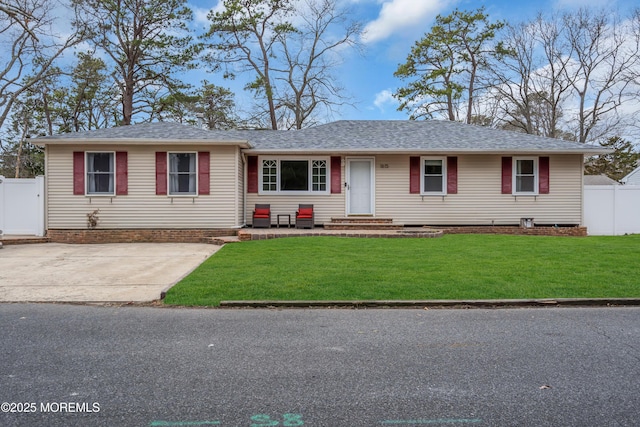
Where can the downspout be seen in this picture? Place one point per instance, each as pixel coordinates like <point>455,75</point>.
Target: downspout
<point>243,157</point>
<point>583,159</point>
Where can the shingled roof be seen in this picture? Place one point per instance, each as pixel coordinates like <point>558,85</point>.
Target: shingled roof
<point>408,136</point>
<point>346,136</point>
<point>145,133</point>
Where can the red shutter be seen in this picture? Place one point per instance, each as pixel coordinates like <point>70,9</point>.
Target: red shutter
<point>203,172</point>
<point>414,175</point>
<point>78,173</point>
<point>506,175</point>
<point>252,174</point>
<point>543,170</point>
<point>452,175</point>
<point>336,175</point>
<point>122,173</point>
<point>161,172</point>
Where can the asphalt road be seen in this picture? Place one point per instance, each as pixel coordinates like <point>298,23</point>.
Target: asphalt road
<point>65,365</point>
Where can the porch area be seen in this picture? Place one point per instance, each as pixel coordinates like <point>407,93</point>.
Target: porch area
<point>356,226</point>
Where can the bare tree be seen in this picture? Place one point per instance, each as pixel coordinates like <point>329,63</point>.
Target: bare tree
<point>603,49</point>
<point>32,48</point>
<point>21,16</point>
<point>244,35</point>
<point>568,76</point>
<point>530,79</point>
<point>310,54</point>
<point>290,47</point>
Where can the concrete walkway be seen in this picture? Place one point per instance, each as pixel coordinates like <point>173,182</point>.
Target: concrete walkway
<point>119,272</point>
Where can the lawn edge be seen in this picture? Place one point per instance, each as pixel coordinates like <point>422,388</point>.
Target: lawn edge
<point>544,302</point>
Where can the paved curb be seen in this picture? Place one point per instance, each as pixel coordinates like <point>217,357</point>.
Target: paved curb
<point>557,302</point>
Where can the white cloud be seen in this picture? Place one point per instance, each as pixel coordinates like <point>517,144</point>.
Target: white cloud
<point>385,99</point>
<point>401,16</point>
<point>200,14</point>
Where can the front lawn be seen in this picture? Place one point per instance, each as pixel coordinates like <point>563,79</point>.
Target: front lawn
<point>451,267</point>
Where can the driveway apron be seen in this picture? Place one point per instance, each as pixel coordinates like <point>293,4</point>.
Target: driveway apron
<point>117,272</point>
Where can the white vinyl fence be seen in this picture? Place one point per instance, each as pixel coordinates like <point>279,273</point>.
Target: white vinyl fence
<point>611,210</point>
<point>22,205</point>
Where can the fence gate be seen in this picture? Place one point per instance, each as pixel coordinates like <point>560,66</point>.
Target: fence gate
<point>22,206</point>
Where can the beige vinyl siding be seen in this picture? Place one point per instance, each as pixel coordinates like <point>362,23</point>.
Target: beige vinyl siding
<point>141,207</point>
<point>479,200</point>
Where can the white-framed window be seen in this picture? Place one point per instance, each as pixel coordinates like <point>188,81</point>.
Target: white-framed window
<point>433,171</point>
<point>525,175</point>
<point>183,174</point>
<point>269,175</point>
<point>318,175</point>
<point>294,175</point>
<point>100,173</point>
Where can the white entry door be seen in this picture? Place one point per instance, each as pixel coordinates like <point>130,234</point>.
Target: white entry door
<point>360,190</point>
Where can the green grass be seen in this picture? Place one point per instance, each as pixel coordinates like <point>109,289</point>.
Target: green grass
<point>451,267</point>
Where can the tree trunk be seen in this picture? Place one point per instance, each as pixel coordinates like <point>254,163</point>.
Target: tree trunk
<point>18,159</point>
<point>127,102</point>
<point>19,154</point>
<point>272,106</point>
<point>47,112</point>
<point>472,80</point>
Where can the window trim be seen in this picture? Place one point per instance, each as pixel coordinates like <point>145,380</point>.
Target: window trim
<point>442,159</point>
<point>536,176</point>
<point>196,172</point>
<point>309,160</point>
<point>86,174</point>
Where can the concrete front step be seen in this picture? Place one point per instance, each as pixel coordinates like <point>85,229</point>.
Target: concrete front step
<point>223,240</point>
<point>362,226</point>
<point>361,219</point>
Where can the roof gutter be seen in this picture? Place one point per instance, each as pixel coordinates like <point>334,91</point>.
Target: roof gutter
<point>589,152</point>
<point>139,141</point>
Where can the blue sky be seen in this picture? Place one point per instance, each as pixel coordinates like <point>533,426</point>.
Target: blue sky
<point>392,28</point>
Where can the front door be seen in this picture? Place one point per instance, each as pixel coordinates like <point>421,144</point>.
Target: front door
<point>360,186</point>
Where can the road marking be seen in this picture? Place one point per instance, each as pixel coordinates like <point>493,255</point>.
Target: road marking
<point>434,421</point>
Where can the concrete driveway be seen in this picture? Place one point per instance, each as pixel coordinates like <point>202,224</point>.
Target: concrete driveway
<point>117,272</point>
